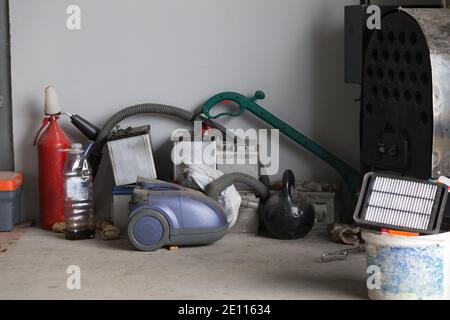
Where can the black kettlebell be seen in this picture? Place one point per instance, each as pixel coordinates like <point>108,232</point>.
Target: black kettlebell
<point>287,217</point>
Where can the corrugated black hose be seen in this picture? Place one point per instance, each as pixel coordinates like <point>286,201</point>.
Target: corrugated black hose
<point>112,122</point>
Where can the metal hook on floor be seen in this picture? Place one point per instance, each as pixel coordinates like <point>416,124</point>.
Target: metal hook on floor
<point>341,254</point>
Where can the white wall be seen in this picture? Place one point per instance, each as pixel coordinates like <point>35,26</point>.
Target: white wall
<point>181,52</point>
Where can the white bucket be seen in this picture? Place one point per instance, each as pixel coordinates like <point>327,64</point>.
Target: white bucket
<point>408,268</point>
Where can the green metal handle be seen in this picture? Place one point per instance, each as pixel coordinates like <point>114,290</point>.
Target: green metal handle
<point>352,178</point>
<point>242,101</point>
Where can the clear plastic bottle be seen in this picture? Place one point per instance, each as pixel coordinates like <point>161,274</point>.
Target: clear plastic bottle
<point>78,195</point>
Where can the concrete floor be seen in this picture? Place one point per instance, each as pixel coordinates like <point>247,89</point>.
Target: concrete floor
<point>237,267</point>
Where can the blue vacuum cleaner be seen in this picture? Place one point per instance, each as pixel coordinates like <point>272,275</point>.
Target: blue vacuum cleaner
<point>163,213</point>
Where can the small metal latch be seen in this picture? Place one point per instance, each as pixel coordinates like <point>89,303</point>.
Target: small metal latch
<point>341,255</point>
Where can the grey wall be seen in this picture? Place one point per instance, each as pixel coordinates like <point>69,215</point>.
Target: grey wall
<point>6,141</point>
<point>182,52</point>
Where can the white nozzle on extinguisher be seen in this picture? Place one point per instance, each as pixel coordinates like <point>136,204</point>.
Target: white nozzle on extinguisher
<point>51,102</point>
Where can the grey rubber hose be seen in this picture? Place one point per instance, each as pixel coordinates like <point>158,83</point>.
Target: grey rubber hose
<point>153,108</point>
<point>265,180</point>
<point>142,108</point>
<point>214,189</point>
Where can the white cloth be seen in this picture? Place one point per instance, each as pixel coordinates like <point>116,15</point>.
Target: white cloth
<point>198,176</point>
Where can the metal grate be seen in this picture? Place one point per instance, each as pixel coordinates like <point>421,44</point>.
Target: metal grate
<point>401,203</point>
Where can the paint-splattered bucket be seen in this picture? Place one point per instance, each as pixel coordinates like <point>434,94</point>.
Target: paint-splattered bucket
<point>408,268</point>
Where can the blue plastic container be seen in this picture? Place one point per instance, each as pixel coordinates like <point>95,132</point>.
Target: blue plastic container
<point>121,197</point>
<point>11,187</point>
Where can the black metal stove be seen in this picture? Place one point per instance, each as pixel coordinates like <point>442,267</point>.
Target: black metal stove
<point>405,103</point>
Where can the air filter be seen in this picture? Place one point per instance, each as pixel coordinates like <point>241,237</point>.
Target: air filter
<point>401,203</point>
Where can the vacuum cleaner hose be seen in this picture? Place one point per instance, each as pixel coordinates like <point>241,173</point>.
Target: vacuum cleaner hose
<point>129,112</point>
<point>265,180</point>
<point>142,108</point>
<point>214,189</point>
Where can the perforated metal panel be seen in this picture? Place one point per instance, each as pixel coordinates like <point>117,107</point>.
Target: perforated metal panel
<point>397,110</point>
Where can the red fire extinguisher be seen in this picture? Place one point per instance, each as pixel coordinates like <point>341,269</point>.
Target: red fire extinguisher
<point>51,163</point>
